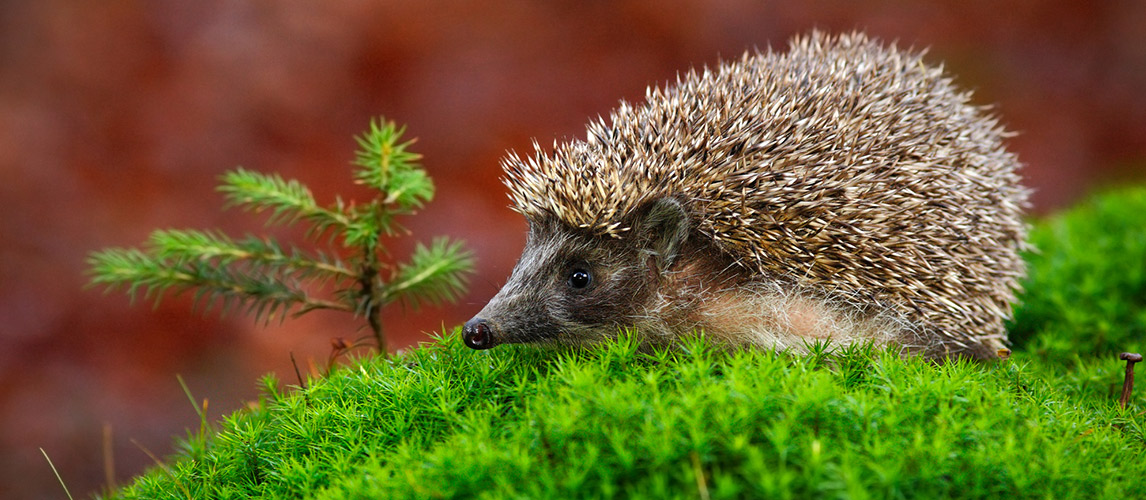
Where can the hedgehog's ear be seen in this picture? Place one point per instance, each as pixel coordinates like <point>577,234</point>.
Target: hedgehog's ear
<point>662,229</point>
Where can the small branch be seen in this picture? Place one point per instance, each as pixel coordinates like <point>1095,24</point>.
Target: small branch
<point>309,304</point>
<point>417,279</point>
<point>282,197</point>
<point>181,246</point>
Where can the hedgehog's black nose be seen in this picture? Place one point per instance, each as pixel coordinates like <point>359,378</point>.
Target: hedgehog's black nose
<point>478,334</point>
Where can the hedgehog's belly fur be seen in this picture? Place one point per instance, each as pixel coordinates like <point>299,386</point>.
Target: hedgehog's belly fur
<point>765,315</point>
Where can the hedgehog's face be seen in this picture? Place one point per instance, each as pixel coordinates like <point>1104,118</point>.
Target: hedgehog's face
<point>569,287</point>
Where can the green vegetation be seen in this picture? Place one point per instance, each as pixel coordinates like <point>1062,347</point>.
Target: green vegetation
<point>258,273</point>
<point>1086,291</point>
<point>442,421</point>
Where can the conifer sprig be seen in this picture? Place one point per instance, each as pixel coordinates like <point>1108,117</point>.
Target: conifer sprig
<point>434,274</point>
<point>386,164</point>
<point>270,280</point>
<point>287,201</point>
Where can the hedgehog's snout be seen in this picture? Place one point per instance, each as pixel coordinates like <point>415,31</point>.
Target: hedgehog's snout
<point>478,334</point>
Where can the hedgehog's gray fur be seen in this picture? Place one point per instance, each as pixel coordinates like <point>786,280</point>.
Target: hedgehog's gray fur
<point>847,169</point>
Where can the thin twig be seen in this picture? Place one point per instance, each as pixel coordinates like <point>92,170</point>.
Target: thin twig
<point>301,382</point>
<point>108,458</point>
<point>58,478</point>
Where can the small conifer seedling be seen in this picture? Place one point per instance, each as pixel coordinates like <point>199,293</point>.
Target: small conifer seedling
<point>270,280</point>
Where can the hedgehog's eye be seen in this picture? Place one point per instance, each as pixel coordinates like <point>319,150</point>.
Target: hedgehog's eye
<point>580,278</point>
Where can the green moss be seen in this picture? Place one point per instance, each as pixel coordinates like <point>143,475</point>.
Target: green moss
<point>1086,290</point>
<point>518,422</point>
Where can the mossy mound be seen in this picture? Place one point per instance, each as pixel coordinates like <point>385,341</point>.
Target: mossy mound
<point>695,422</point>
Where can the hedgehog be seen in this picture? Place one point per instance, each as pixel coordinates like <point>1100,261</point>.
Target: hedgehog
<point>844,191</point>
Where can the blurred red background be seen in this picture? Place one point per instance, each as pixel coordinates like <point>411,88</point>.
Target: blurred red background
<point>117,118</point>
